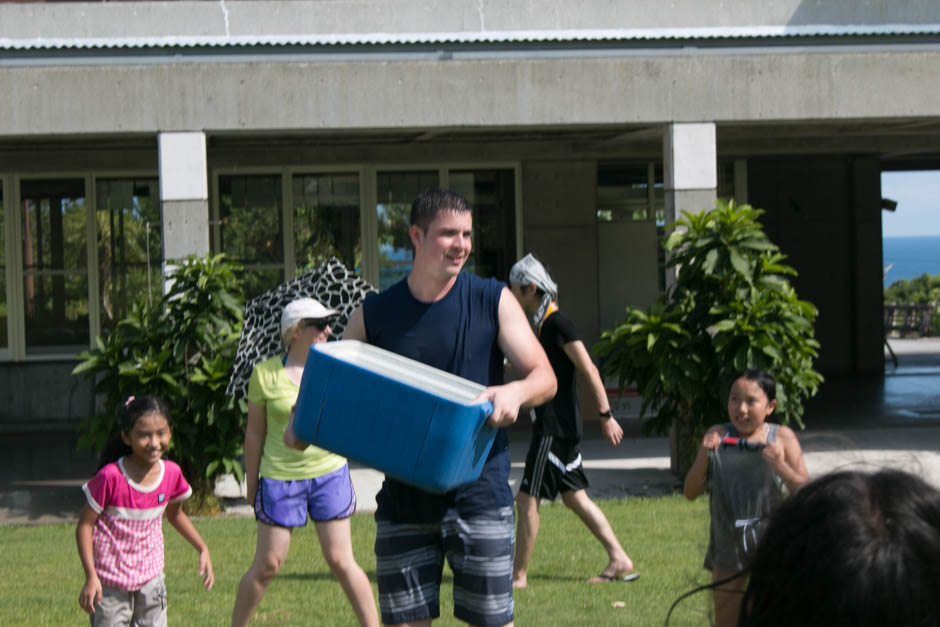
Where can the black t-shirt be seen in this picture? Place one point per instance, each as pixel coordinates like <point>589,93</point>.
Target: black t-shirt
<point>559,417</point>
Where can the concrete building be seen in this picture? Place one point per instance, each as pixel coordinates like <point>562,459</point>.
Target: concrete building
<point>134,133</point>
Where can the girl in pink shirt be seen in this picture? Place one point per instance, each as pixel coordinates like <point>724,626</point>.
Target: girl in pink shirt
<point>120,532</point>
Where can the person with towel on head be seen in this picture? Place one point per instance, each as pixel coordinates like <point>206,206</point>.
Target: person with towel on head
<point>553,463</point>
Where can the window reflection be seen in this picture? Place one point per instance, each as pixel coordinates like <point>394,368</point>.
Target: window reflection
<point>492,196</point>
<point>251,230</point>
<point>396,191</point>
<point>55,281</point>
<point>326,220</point>
<point>129,240</point>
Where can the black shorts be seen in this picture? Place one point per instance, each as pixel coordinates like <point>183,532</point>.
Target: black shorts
<point>552,465</point>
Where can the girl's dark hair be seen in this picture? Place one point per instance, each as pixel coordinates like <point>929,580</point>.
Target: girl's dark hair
<point>762,378</point>
<point>849,548</point>
<point>128,413</point>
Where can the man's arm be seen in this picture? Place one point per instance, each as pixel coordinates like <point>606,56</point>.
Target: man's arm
<point>536,381</point>
<point>579,356</point>
<point>356,326</point>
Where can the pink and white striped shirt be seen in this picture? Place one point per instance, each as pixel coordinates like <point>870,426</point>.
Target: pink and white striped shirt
<point>128,535</point>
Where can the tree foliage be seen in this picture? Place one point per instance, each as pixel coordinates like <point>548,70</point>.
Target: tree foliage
<point>921,290</point>
<point>182,349</point>
<point>731,307</point>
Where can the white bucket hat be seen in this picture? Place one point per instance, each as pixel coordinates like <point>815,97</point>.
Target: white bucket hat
<point>301,309</point>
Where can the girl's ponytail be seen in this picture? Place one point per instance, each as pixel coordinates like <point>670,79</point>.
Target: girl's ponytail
<point>127,414</point>
<point>114,450</point>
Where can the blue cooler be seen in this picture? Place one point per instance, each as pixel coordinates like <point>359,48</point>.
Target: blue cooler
<point>413,422</point>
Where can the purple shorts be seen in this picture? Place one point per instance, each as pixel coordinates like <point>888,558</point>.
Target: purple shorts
<point>286,503</point>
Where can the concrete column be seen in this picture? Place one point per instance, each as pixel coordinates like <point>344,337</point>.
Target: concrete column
<point>690,179</point>
<point>690,169</point>
<point>184,195</point>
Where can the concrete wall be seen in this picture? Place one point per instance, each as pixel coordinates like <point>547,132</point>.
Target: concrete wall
<point>235,19</point>
<point>868,265</point>
<point>411,94</point>
<point>138,155</point>
<point>825,215</point>
<point>560,228</point>
<point>42,396</point>
<point>628,269</point>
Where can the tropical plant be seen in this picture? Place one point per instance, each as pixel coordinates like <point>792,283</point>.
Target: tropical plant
<point>731,307</point>
<point>181,348</point>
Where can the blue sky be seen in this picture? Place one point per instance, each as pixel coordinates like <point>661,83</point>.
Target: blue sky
<point>918,197</point>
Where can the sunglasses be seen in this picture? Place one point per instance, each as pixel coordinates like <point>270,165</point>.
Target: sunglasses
<point>319,323</point>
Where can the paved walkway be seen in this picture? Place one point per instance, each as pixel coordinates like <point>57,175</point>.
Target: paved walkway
<point>866,422</point>
<point>640,466</point>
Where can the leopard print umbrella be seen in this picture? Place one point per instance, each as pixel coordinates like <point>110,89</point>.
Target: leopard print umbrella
<point>331,283</point>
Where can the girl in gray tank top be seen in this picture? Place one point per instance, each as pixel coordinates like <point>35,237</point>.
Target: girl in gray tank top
<point>746,464</point>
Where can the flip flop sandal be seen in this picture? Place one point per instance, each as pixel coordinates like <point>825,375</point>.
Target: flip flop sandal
<point>612,578</point>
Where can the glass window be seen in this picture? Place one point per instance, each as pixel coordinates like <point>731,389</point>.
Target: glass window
<point>492,196</point>
<point>4,340</point>
<point>326,220</point>
<point>624,193</point>
<point>55,274</point>
<point>251,230</point>
<point>129,243</point>
<point>395,193</point>
<point>725,189</point>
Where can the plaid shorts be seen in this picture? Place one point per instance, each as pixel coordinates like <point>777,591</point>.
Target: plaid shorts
<point>479,549</point>
<point>286,503</point>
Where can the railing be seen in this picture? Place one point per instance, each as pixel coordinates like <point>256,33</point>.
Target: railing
<point>909,318</point>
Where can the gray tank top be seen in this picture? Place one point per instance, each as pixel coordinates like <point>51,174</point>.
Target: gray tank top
<point>744,490</point>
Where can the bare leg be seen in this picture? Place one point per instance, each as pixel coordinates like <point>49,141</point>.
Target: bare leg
<point>336,543</point>
<point>580,503</point>
<point>527,528</point>
<point>270,551</point>
<point>727,598</point>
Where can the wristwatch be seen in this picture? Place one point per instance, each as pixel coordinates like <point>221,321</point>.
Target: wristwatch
<point>606,414</point>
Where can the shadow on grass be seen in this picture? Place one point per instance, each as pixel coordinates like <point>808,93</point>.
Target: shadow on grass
<point>556,578</point>
<point>327,576</point>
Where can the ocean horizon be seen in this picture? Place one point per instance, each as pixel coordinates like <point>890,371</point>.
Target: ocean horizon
<point>908,257</point>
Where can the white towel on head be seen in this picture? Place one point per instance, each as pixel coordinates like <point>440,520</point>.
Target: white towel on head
<point>530,271</point>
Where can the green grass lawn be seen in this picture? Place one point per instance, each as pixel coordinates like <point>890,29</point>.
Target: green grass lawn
<point>40,575</point>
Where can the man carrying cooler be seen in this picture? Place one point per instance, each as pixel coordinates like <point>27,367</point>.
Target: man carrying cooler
<point>466,325</point>
<point>553,463</point>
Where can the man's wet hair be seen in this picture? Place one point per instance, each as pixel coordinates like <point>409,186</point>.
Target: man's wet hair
<point>431,202</point>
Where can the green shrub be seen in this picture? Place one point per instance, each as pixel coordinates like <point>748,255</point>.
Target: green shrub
<point>730,308</point>
<point>922,290</point>
<point>182,349</point>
